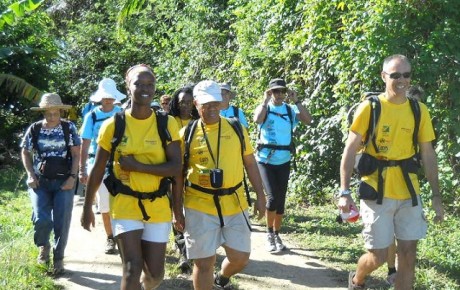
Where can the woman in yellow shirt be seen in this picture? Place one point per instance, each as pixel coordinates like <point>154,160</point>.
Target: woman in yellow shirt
<point>181,106</point>
<point>140,163</point>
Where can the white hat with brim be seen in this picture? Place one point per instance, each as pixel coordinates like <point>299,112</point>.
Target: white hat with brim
<point>50,101</point>
<point>107,90</point>
<point>206,92</point>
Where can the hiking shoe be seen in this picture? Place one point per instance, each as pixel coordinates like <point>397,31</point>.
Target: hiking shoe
<point>351,285</point>
<point>279,244</point>
<point>44,254</point>
<point>271,245</point>
<point>221,282</point>
<point>391,279</point>
<point>58,267</point>
<point>110,246</point>
<point>184,265</point>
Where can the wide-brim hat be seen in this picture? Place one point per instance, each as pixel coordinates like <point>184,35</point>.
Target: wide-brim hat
<point>227,87</point>
<point>50,101</point>
<point>206,92</point>
<point>277,84</point>
<point>107,89</point>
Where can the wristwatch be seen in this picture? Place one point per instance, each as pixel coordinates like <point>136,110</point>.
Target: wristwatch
<point>343,192</point>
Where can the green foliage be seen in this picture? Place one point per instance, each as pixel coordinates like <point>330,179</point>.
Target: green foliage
<point>17,10</point>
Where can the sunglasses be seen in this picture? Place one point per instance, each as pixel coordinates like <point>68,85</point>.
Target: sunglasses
<point>280,91</point>
<point>397,75</point>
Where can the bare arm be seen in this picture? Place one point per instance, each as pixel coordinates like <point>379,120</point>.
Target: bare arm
<point>177,203</point>
<point>261,110</point>
<point>250,165</point>
<point>70,181</point>
<point>430,166</point>
<point>83,158</point>
<point>171,167</point>
<point>304,116</point>
<point>346,168</point>
<point>32,180</point>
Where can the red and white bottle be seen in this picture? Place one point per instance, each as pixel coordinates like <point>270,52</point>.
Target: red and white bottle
<point>351,216</point>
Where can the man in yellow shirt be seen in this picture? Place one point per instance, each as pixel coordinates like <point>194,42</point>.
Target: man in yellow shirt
<point>216,209</point>
<point>397,216</point>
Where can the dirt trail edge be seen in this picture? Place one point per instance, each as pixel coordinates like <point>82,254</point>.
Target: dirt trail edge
<point>87,267</point>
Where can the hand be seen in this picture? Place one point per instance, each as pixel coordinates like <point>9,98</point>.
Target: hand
<point>83,177</point>
<point>292,95</point>
<point>128,163</point>
<point>260,205</point>
<point>32,181</point>
<point>345,202</point>
<point>87,218</point>
<point>179,222</point>
<point>437,207</point>
<point>69,183</point>
<point>267,96</point>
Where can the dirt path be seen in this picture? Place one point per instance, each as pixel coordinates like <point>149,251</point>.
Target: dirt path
<point>295,269</point>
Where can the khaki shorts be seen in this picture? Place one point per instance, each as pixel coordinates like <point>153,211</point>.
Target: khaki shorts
<point>391,219</point>
<point>203,234</point>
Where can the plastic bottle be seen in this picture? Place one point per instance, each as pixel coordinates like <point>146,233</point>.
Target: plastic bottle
<point>351,216</point>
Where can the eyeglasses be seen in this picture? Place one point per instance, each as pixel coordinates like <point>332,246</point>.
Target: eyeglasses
<point>397,75</point>
<point>279,91</point>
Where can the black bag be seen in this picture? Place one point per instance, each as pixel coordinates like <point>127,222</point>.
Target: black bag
<point>366,192</point>
<point>367,164</point>
<point>54,167</point>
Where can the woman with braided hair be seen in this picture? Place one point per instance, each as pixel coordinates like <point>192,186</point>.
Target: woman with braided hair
<point>140,225</point>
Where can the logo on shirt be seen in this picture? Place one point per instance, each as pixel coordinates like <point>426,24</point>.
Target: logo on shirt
<point>204,160</point>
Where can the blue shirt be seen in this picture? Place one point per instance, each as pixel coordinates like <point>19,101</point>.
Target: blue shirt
<point>229,113</point>
<point>276,129</point>
<point>90,130</point>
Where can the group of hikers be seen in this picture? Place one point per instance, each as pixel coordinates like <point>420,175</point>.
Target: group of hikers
<point>181,165</point>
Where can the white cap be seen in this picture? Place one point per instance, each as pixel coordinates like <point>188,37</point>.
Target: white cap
<point>107,90</point>
<point>206,92</point>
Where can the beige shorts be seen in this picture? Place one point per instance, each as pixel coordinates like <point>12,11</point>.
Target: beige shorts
<point>391,219</point>
<point>203,234</point>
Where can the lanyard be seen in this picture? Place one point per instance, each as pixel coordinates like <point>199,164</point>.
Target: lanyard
<point>209,146</point>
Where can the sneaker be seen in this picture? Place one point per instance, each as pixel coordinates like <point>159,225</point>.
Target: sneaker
<point>279,244</point>
<point>184,265</point>
<point>44,254</point>
<point>351,285</point>
<point>391,279</point>
<point>221,282</point>
<point>58,267</point>
<point>110,246</point>
<point>271,246</point>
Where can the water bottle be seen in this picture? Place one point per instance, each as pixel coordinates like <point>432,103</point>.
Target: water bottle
<point>351,216</point>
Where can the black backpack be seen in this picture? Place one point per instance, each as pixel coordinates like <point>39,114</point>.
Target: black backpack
<point>373,98</point>
<point>95,120</point>
<point>291,147</point>
<point>188,136</point>
<point>114,185</point>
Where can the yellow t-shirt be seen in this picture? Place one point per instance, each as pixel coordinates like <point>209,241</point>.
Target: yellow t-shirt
<point>394,132</point>
<point>140,139</point>
<point>230,161</point>
<point>182,123</point>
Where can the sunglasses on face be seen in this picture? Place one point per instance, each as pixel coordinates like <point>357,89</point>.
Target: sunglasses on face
<point>279,91</point>
<point>397,75</point>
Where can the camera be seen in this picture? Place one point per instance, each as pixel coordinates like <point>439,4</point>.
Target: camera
<point>217,177</point>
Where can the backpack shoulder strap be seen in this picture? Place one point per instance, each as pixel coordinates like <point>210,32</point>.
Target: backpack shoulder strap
<point>188,135</point>
<point>35,131</point>
<point>236,112</point>
<point>373,119</point>
<point>162,126</point>
<point>119,130</point>
<point>415,106</point>
<point>66,130</point>
<point>94,117</point>
<point>236,125</point>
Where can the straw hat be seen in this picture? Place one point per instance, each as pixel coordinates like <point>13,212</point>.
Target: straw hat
<point>107,90</point>
<point>50,101</point>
